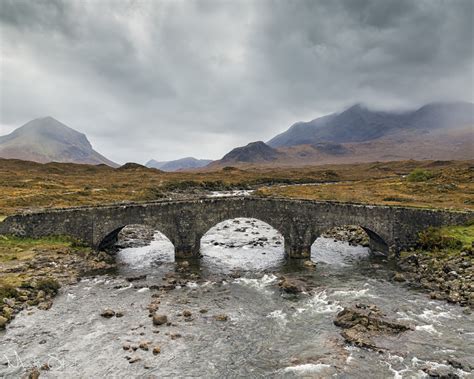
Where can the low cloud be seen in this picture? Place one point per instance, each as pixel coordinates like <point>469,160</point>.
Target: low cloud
<point>167,79</point>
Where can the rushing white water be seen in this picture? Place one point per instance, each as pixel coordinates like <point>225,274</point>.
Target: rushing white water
<point>267,333</point>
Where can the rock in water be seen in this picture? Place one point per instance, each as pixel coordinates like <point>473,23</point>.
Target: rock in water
<point>362,322</point>
<point>221,317</point>
<point>108,313</point>
<point>187,313</point>
<point>291,285</point>
<point>159,319</point>
<point>399,277</point>
<point>3,322</point>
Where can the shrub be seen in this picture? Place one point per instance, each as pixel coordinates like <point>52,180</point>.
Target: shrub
<point>7,291</point>
<point>419,175</point>
<point>230,168</point>
<point>48,285</point>
<point>432,239</point>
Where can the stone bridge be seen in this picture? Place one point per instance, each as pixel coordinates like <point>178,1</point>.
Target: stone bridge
<point>184,222</point>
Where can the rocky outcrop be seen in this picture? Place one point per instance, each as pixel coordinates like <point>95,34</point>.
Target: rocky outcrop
<point>447,275</point>
<point>362,323</point>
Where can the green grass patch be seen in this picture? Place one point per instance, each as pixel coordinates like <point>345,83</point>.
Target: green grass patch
<point>465,234</point>
<point>14,248</point>
<point>22,242</point>
<point>2,218</point>
<point>453,238</point>
<point>419,175</point>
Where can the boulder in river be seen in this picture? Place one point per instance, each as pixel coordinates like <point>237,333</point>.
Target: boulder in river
<point>290,285</point>
<point>3,322</point>
<point>159,319</point>
<point>362,322</point>
<point>107,313</point>
<point>187,313</point>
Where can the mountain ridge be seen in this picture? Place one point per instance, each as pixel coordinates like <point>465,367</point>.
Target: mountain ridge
<point>358,124</point>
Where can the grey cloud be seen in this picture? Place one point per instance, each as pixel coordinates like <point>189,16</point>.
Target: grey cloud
<point>165,79</point>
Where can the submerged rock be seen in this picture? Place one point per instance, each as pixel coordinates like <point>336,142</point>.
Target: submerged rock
<point>221,317</point>
<point>309,264</point>
<point>440,371</point>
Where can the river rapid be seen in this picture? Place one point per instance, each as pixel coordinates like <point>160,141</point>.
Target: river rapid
<point>267,333</point>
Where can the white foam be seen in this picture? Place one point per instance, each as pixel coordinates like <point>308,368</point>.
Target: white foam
<point>353,293</point>
<point>319,303</point>
<point>433,316</point>
<point>260,284</point>
<point>125,288</point>
<point>307,368</point>
<point>427,328</point>
<point>278,315</point>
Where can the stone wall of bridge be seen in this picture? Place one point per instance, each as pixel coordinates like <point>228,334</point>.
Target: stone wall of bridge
<point>185,222</point>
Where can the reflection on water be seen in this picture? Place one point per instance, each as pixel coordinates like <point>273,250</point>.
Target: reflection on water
<point>267,334</point>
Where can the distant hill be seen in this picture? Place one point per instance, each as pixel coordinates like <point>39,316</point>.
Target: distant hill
<point>179,164</point>
<point>254,152</point>
<point>360,124</point>
<point>48,140</point>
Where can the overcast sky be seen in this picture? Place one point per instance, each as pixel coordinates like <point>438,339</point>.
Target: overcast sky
<point>167,79</point>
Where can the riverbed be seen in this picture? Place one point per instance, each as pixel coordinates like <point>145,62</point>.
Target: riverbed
<point>265,333</point>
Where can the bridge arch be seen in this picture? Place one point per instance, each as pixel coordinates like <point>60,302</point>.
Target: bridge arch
<point>347,232</point>
<point>109,239</point>
<point>243,243</point>
<point>242,221</point>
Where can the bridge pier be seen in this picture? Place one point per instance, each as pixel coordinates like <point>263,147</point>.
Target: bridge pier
<point>186,252</point>
<point>293,251</point>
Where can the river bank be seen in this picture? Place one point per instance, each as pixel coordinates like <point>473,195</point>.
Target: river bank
<point>443,264</point>
<point>33,271</point>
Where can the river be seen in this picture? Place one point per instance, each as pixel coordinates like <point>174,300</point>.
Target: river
<point>267,334</point>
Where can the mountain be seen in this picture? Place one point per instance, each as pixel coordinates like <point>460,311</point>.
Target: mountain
<point>435,131</point>
<point>48,140</point>
<point>255,152</point>
<point>360,124</point>
<point>179,164</point>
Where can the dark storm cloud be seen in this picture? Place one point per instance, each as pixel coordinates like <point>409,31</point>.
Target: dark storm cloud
<point>167,79</point>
